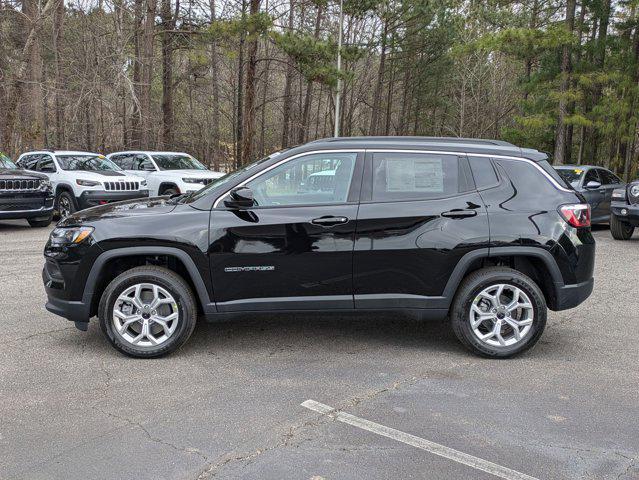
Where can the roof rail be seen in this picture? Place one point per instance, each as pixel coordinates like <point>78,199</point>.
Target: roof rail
<point>470,141</point>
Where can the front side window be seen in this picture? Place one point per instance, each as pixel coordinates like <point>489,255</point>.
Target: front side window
<point>591,176</point>
<point>46,164</point>
<point>125,162</point>
<point>609,178</point>
<point>167,161</point>
<point>314,179</point>
<point>414,176</point>
<point>86,163</point>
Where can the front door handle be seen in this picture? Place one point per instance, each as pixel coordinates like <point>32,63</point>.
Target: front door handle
<point>329,220</point>
<point>459,213</point>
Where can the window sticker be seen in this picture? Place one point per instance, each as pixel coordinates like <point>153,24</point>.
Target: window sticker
<point>415,175</point>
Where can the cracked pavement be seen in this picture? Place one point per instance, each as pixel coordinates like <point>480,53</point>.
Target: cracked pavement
<point>227,405</point>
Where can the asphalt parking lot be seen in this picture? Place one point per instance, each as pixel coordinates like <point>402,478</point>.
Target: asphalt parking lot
<point>228,405</point>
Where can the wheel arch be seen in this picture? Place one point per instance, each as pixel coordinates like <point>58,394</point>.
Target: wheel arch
<point>534,262</point>
<point>113,262</point>
<point>167,184</point>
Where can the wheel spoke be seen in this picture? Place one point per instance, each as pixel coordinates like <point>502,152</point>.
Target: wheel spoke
<point>514,325</point>
<point>137,297</point>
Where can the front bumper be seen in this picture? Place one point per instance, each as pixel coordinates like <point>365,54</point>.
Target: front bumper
<point>92,198</point>
<point>569,296</point>
<point>25,207</point>
<point>77,311</point>
<point>632,212</point>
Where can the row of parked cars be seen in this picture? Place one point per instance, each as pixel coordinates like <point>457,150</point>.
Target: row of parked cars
<point>44,181</point>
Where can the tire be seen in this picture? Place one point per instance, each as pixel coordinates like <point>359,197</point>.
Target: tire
<point>40,222</point>
<point>65,204</point>
<point>470,292</point>
<point>620,230</point>
<point>182,302</point>
<point>169,191</point>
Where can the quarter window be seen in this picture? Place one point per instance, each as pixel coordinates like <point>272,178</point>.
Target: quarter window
<point>483,172</point>
<point>313,179</point>
<point>414,176</point>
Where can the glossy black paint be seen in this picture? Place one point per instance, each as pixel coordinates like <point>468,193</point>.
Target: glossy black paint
<point>402,254</point>
<point>24,204</point>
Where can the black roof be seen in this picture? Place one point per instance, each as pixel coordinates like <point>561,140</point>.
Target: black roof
<point>452,144</point>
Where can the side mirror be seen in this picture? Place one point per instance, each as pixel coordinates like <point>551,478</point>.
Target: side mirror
<point>593,185</point>
<point>241,197</point>
<point>147,167</point>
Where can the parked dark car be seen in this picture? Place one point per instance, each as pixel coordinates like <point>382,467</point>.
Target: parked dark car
<point>595,184</point>
<point>624,215</point>
<point>483,232</point>
<point>24,194</point>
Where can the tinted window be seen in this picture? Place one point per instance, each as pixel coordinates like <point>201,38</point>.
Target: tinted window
<point>142,162</point>
<point>591,176</point>
<point>309,180</point>
<point>483,172</point>
<point>166,161</point>
<point>125,162</point>
<point>86,162</point>
<point>414,176</point>
<point>29,162</point>
<point>608,178</point>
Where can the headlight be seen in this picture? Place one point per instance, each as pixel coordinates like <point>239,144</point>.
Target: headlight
<point>619,194</point>
<point>634,190</point>
<point>202,181</point>
<point>86,183</point>
<point>72,235</point>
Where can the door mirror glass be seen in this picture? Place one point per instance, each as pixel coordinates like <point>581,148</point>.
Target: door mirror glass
<point>593,185</point>
<point>241,197</point>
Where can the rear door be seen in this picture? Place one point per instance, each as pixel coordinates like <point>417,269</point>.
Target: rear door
<point>419,214</point>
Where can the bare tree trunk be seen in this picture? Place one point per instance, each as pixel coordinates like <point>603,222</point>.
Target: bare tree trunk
<point>560,139</point>
<point>249,105</point>
<point>306,112</point>
<point>168,24</point>
<point>377,96</point>
<point>215,87</point>
<point>239,125</point>
<point>58,22</point>
<point>288,80</point>
<point>136,120</point>
<point>147,72</point>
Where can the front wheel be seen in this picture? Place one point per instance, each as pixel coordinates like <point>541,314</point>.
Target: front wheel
<point>620,230</point>
<point>498,312</point>
<point>65,204</point>
<point>147,312</point>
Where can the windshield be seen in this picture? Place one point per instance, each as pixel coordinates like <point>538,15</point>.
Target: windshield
<point>170,161</point>
<point>6,163</point>
<point>571,175</point>
<point>86,162</point>
<point>229,177</point>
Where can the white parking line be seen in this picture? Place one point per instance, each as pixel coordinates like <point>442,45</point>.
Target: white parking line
<point>407,438</point>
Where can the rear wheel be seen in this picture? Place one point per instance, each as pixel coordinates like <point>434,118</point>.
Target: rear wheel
<point>40,222</point>
<point>620,230</point>
<point>147,312</point>
<point>498,312</point>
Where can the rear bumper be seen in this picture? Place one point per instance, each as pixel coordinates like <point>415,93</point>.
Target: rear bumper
<point>99,197</point>
<point>569,296</point>
<point>631,214</point>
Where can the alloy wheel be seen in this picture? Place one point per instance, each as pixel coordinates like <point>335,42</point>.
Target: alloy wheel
<point>501,315</point>
<point>145,315</point>
<point>64,206</point>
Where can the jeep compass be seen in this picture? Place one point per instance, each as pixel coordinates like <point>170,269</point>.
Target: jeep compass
<point>482,232</point>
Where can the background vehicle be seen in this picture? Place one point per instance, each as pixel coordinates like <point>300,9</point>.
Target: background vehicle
<point>624,214</point>
<point>83,179</point>
<point>405,226</point>
<point>595,184</point>
<point>24,194</point>
<point>167,173</point>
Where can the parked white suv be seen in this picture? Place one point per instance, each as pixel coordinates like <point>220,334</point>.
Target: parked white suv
<point>166,172</point>
<point>83,179</point>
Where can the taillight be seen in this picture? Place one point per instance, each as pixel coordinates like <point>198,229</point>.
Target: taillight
<point>577,215</point>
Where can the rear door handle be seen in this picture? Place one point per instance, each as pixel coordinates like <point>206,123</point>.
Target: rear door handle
<point>329,220</point>
<point>459,213</point>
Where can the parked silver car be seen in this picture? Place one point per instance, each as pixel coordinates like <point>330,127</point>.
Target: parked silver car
<point>596,184</point>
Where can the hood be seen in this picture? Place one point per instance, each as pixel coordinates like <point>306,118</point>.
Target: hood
<point>106,176</point>
<point>126,209</point>
<point>18,173</point>
<point>198,173</point>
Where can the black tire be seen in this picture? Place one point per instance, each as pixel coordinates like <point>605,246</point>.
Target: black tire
<point>471,286</point>
<point>168,280</point>
<point>169,191</point>
<point>620,230</point>
<point>40,222</point>
<point>65,203</point>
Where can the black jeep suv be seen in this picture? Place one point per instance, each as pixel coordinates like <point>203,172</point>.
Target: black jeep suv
<point>624,211</point>
<point>481,231</point>
<point>24,194</point>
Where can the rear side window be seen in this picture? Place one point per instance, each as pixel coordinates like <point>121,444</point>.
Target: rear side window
<point>483,172</point>
<point>29,162</point>
<point>608,177</point>
<point>414,176</point>
<point>46,164</point>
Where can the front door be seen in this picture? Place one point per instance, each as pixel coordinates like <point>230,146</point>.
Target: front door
<point>293,249</point>
<point>419,214</point>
